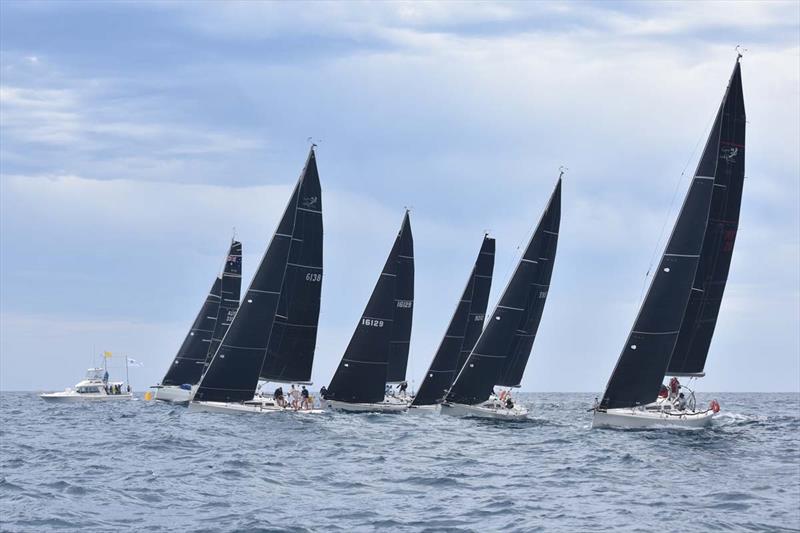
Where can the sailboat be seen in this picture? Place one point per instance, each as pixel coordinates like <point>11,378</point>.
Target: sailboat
<point>359,383</point>
<point>273,334</point>
<point>400,341</point>
<point>672,333</point>
<point>208,327</point>
<point>463,331</point>
<point>501,353</point>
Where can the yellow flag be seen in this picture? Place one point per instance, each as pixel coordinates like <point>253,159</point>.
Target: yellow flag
<point>107,354</point>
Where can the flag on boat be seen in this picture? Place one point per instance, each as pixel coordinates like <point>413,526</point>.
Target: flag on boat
<point>133,362</point>
<point>107,355</point>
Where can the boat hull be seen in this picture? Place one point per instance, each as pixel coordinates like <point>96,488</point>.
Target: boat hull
<point>491,411</point>
<point>423,408</point>
<point>67,397</point>
<point>382,407</point>
<point>246,408</point>
<point>171,393</point>
<point>643,418</point>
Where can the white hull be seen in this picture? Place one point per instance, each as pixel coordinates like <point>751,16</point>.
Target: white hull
<point>171,393</point>
<point>247,408</point>
<point>643,418</point>
<point>72,396</point>
<point>485,410</point>
<point>383,407</point>
<point>424,408</point>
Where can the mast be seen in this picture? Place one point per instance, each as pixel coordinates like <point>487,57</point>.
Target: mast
<point>290,355</point>
<point>646,355</point>
<point>361,374</point>
<point>468,317</point>
<point>233,373</point>
<point>230,294</point>
<point>502,350</point>
<point>700,319</point>
<point>404,305</point>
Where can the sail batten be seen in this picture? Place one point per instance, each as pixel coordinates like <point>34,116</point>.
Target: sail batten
<point>461,335</point>
<point>501,353</point>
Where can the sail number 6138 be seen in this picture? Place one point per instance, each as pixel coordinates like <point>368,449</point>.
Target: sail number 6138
<point>311,276</point>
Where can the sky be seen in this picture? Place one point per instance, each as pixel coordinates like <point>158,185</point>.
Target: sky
<point>134,138</point>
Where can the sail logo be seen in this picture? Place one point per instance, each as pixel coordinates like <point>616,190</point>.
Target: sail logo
<point>310,201</point>
<point>479,318</point>
<point>405,304</point>
<point>729,154</point>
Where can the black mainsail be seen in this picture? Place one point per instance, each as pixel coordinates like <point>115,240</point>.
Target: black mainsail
<point>463,331</point>
<point>700,319</point>
<point>403,305</point>
<point>641,367</point>
<point>188,363</point>
<point>233,373</point>
<point>362,373</point>
<point>290,355</point>
<point>230,292</point>
<point>503,348</point>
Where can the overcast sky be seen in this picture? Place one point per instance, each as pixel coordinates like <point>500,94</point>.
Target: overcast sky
<point>136,136</point>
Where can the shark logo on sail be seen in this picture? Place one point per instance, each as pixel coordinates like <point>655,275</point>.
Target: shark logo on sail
<point>310,201</point>
<point>729,154</point>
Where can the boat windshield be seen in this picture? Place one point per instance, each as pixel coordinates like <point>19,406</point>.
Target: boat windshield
<point>88,390</point>
<point>95,373</point>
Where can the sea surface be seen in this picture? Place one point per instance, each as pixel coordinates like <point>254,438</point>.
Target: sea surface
<point>146,466</point>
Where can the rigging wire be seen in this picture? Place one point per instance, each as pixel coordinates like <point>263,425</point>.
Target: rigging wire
<point>667,215</point>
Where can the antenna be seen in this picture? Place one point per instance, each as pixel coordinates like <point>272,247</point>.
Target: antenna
<point>233,238</point>
<point>562,169</point>
<point>313,143</point>
<point>739,49</point>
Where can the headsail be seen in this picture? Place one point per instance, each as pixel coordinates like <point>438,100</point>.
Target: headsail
<point>230,292</point>
<point>502,350</point>
<point>646,356</point>
<point>467,319</point>
<point>403,305</point>
<point>188,363</point>
<point>697,328</point>
<point>362,372</point>
<point>233,373</point>
<point>294,334</point>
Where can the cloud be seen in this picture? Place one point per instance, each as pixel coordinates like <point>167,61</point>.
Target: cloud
<point>124,170</point>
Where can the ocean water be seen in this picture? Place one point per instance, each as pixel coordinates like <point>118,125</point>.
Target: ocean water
<point>145,466</point>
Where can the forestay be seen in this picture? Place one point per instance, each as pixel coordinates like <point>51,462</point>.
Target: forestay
<point>187,366</point>
<point>233,373</point>
<point>462,332</point>
<point>230,293</point>
<point>362,373</point>
<point>502,350</point>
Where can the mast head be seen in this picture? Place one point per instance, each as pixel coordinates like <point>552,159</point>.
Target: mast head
<point>739,49</point>
<point>561,170</point>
